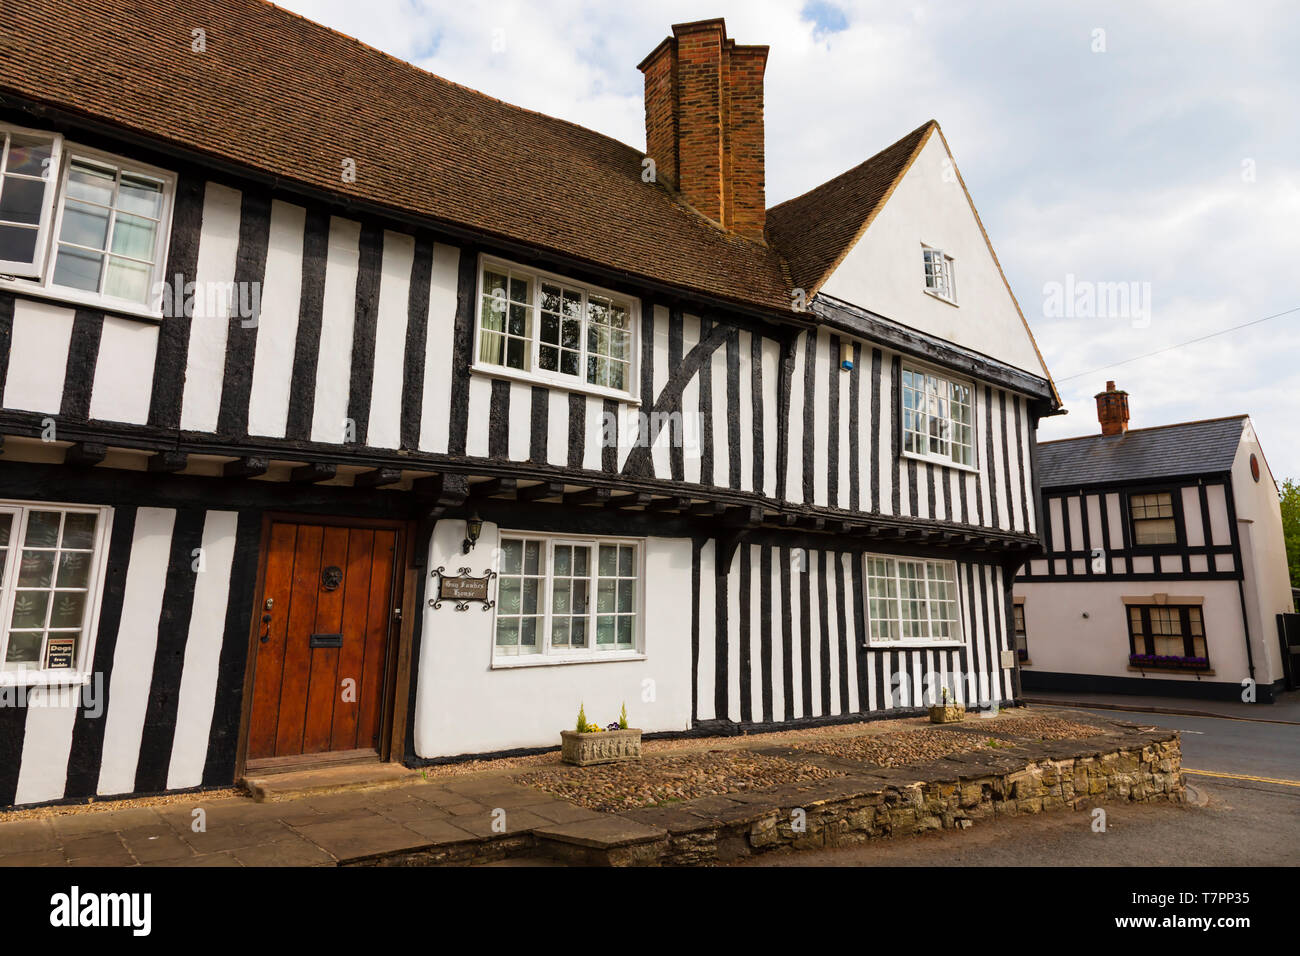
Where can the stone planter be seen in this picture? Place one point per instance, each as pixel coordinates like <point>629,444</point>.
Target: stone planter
<point>607,746</point>
<point>949,714</point>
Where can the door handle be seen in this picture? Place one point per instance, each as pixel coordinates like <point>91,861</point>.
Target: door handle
<point>266,632</point>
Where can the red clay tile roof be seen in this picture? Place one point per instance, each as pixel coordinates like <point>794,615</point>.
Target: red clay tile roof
<point>289,97</point>
<point>816,230</point>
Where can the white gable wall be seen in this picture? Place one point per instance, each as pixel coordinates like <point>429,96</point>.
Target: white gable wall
<point>884,272</point>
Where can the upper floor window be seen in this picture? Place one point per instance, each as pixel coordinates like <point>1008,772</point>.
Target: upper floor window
<point>544,327</point>
<point>912,600</point>
<point>937,418</point>
<point>940,279</point>
<point>29,163</point>
<point>51,559</point>
<point>567,598</point>
<point>1153,518</point>
<point>81,224</point>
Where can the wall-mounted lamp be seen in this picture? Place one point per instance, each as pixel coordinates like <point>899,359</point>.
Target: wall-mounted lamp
<point>846,357</point>
<point>473,528</point>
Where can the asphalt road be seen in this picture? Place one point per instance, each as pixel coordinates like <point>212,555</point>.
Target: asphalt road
<point>1238,822</point>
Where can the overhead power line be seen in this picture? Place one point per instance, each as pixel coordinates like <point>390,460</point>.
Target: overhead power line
<point>1170,348</point>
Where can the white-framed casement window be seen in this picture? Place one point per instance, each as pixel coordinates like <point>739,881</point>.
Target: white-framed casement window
<point>912,601</point>
<point>562,598</point>
<point>29,166</point>
<point>82,225</point>
<point>541,327</point>
<point>940,275</point>
<point>52,560</point>
<point>938,418</point>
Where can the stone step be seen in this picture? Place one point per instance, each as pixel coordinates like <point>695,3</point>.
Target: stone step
<point>296,784</point>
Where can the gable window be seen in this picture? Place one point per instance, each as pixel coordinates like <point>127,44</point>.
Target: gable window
<point>543,327</point>
<point>565,598</point>
<point>1170,635</point>
<point>82,225</point>
<point>1153,518</point>
<point>911,601</point>
<point>940,279</point>
<point>937,418</point>
<point>51,560</point>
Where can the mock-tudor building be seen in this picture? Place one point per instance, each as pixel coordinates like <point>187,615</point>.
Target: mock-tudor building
<point>1165,570</point>
<point>350,413</point>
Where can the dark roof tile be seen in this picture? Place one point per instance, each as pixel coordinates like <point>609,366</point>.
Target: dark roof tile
<point>1168,451</point>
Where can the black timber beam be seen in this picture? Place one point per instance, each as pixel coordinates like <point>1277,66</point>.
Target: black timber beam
<point>377,478</point>
<point>494,488</point>
<point>168,462</point>
<point>540,491</point>
<point>590,496</point>
<point>636,499</point>
<point>249,466</point>
<point>85,454</point>
<point>313,472</point>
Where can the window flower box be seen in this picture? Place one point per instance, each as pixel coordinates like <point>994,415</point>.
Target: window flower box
<point>1169,662</point>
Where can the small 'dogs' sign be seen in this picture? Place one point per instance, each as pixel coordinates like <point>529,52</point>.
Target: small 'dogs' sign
<point>462,588</point>
<point>60,653</point>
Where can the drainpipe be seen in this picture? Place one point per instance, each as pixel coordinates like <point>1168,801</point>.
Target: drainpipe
<point>1236,525</point>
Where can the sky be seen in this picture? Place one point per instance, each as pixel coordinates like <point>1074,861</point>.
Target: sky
<point>1153,144</point>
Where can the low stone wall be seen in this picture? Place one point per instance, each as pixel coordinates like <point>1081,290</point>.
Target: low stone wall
<point>1126,764</point>
<point>1135,774</point>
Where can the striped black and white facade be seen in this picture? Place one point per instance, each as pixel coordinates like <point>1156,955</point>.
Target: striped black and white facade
<point>351,395</point>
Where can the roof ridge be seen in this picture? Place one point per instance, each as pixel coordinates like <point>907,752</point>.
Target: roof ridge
<point>1149,428</point>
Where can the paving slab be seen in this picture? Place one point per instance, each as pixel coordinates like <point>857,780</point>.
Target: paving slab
<point>296,852</point>
<point>156,842</point>
<point>441,831</point>
<point>608,831</point>
<point>363,837</point>
<point>25,836</point>
<point>70,826</point>
<point>218,836</point>
<point>101,849</point>
<point>52,857</point>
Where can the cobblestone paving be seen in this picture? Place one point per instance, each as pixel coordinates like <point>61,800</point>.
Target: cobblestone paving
<point>656,781</point>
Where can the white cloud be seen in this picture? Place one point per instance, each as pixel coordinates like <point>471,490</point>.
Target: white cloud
<point>1115,166</point>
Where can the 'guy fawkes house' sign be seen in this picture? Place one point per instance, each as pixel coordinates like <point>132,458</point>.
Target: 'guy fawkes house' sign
<point>462,588</point>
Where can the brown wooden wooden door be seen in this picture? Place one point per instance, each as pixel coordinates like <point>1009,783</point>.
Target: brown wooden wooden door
<point>318,682</point>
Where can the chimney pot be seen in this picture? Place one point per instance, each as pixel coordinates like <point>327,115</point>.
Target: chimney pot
<point>1112,410</point>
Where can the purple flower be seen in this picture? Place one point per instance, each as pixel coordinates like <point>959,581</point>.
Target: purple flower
<point>612,726</point>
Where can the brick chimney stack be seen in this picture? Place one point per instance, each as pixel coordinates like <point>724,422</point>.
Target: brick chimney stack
<point>1112,410</point>
<point>704,123</point>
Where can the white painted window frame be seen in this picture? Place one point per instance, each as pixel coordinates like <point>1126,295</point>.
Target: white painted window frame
<point>537,376</point>
<point>36,268</point>
<point>913,642</point>
<point>949,274</point>
<point>547,655</point>
<point>81,672</point>
<point>947,376</point>
<point>52,222</point>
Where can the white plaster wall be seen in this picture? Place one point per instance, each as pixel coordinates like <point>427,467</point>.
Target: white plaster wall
<point>1062,641</point>
<point>884,272</point>
<point>464,706</point>
<point>1267,580</point>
